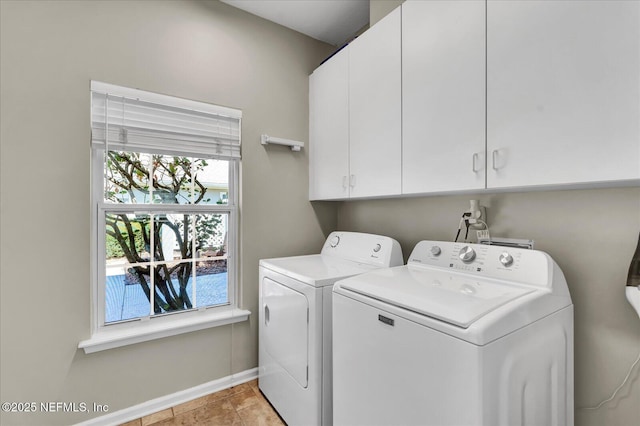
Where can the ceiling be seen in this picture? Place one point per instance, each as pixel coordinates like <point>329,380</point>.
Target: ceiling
<point>331,21</point>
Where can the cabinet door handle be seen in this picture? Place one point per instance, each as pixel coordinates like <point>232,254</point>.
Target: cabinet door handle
<point>494,159</point>
<point>352,181</point>
<point>473,164</point>
<point>344,182</point>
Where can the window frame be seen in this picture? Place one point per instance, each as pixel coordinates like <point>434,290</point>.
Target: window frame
<point>135,330</point>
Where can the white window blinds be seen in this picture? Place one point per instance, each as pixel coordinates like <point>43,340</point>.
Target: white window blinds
<point>135,120</point>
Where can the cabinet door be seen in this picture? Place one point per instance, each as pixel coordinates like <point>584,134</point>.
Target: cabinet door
<point>563,92</point>
<point>329,129</point>
<point>443,96</point>
<point>375,110</point>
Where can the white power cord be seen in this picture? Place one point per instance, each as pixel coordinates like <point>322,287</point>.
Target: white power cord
<point>484,233</point>
<point>634,299</point>
<point>616,391</point>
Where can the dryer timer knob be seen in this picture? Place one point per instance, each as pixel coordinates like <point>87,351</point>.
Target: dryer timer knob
<point>467,254</point>
<point>335,240</point>
<point>435,250</point>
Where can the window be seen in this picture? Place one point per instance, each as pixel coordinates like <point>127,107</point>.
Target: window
<point>165,197</point>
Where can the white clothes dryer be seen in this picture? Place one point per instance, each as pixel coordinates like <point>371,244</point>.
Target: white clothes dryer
<point>461,335</point>
<point>295,321</point>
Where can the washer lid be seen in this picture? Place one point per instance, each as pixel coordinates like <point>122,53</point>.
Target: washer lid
<point>454,298</point>
<point>317,270</point>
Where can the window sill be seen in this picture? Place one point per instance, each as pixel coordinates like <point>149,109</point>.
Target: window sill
<point>151,330</point>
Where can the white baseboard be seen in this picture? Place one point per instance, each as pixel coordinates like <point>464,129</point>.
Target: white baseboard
<point>168,401</point>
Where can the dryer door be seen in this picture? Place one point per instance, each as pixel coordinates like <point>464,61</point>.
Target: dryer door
<point>286,328</point>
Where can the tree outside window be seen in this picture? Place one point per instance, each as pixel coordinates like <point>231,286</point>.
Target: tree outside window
<point>171,259</point>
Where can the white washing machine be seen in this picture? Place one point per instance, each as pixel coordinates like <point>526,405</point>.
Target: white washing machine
<point>295,321</point>
<point>461,335</point>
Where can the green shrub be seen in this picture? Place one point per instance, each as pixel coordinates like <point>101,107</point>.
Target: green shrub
<point>114,250</point>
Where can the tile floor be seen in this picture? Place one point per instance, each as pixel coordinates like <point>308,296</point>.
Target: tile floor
<point>241,405</point>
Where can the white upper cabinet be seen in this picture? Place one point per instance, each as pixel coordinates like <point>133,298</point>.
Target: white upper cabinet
<point>443,96</point>
<point>447,96</point>
<point>375,110</point>
<point>329,129</point>
<point>563,92</point>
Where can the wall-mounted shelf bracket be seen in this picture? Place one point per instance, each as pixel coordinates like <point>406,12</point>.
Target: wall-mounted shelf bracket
<point>295,145</point>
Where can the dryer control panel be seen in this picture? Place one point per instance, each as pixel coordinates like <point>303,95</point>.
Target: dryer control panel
<point>530,267</point>
<point>371,249</point>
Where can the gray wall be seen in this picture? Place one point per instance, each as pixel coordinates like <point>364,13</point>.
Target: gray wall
<point>206,51</point>
<point>591,234</point>
<point>378,9</point>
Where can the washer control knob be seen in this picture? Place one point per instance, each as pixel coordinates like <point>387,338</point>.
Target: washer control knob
<point>377,248</point>
<point>506,259</point>
<point>435,250</point>
<point>335,240</point>
<point>467,254</point>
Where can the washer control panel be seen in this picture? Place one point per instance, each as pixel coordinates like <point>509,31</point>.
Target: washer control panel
<point>514,264</point>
